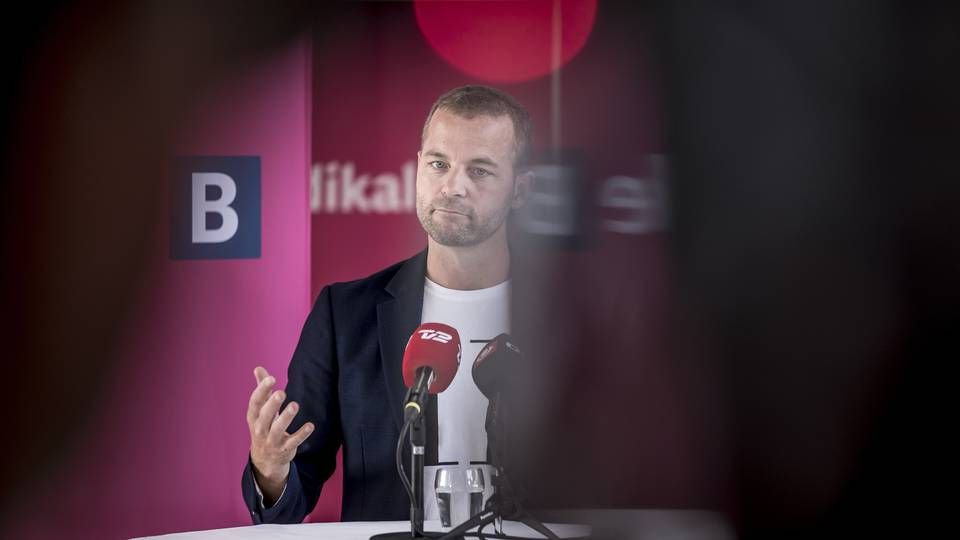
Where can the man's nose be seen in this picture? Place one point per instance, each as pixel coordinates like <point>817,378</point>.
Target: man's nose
<point>455,184</point>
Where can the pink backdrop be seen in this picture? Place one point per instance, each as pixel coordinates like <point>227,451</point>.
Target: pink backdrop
<point>166,447</point>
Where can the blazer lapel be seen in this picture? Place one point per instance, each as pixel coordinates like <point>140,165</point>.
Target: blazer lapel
<point>397,318</point>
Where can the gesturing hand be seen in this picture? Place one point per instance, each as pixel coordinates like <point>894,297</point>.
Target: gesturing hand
<point>271,447</point>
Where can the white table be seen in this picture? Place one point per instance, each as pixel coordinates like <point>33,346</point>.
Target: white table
<point>354,530</point>
<point>626,524</point>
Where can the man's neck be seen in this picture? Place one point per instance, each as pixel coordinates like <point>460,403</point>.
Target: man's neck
<point>469,268</point>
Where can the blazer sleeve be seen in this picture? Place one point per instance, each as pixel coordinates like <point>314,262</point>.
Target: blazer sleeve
<point>312,382</point>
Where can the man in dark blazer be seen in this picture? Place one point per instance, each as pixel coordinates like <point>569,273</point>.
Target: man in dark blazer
<point>345,385</point>
<point>368,322</point>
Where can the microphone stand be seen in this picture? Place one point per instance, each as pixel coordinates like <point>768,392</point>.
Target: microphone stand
<point>505,501</point>
<point>418,440</point>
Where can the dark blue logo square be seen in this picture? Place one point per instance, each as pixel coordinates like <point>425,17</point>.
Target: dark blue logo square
<point>215,207</point>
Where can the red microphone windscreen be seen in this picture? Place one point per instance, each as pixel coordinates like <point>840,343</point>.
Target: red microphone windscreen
<point>434,345</point>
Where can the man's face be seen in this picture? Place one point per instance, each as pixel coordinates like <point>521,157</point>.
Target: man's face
<point>465,178</point>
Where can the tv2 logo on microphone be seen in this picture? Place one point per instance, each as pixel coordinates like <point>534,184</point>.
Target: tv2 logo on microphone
<point>215,207</point>
<point>435,335</point>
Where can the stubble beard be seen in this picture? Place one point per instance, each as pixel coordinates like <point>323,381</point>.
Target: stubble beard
<point>470,231</point>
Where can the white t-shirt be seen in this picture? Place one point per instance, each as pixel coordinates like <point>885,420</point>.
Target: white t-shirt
<point>481,314</point>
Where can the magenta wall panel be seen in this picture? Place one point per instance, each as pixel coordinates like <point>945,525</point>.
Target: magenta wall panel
<point>166,448</point>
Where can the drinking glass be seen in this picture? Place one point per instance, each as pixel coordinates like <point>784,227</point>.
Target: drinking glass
<point>443,485</point>
<point>475,487</point>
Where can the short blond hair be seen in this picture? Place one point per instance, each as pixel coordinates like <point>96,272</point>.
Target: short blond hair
<point>478,100</point>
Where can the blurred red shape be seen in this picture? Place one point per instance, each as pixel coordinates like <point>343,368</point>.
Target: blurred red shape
<point>506,41</point>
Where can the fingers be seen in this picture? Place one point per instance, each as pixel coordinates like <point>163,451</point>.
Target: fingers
<point>278,429</point>
<point>260,373</point>
<point>297,438</point>
<point>268,413</point>
<point>258,398</point>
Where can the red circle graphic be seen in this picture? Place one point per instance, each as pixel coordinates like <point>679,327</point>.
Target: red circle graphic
<point>506,41</point>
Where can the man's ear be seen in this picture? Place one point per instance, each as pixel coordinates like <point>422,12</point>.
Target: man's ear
<point>522,185</point>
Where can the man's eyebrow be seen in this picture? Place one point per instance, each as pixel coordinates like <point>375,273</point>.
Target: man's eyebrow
<point>435,153</point>
<point>483,160</point>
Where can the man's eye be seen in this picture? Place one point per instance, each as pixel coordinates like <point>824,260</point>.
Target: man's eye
<point>437,165</point>
<point>480,173</point>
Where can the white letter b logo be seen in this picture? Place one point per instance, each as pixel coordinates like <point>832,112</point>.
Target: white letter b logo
<point>202,207</point>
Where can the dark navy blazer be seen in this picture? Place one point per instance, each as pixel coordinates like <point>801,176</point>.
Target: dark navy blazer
<point>346,376</point>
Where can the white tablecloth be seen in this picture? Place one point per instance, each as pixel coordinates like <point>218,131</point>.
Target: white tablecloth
<point>354,530</point>
<point>621,524</point>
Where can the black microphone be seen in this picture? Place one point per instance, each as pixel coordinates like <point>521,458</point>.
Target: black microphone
<point>494,362</point>
<point>495,373</point>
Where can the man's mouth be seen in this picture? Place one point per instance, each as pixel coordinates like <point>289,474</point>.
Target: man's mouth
<point>450,211</point>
